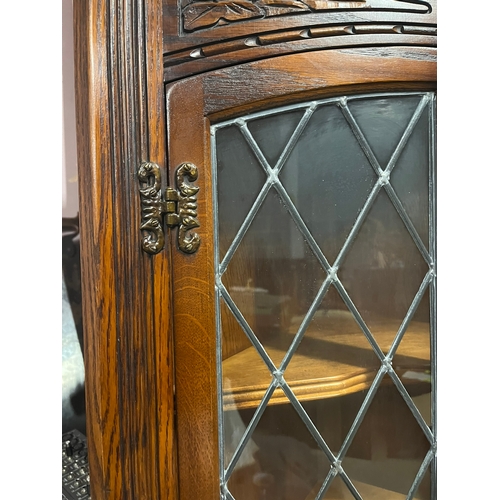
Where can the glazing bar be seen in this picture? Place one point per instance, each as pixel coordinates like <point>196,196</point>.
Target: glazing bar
<point>246,328</point>
<point>411,405</point>
<point>249,430</point>
<point>420,474</point>
<point>342,103</point>
<point>332,474</point>
<point>409,315</point>
<point>218,327</point>
<point>244,227</point>
<point>359,320</point>
<point>305,323</point>
<point>351,486</point>
<point>406,134</point>
<point>408,223</point>
<point>309,424</point>
<point>302,225</point>
<point>295,137</point>
<point>357,224</point>
<point>433,291</point>
<point>362,412</point>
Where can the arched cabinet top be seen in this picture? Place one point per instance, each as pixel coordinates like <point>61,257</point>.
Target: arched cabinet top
<point>203,35</point>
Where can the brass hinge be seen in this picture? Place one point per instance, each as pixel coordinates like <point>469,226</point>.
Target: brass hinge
<point>179,205</point>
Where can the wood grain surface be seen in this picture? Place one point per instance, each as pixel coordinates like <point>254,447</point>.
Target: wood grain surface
<point>128,362</point>
<point>194,308</point>
<point>200,36</point>
<point>234,91</point>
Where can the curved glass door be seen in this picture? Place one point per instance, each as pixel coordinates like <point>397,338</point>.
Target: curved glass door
<point>325,258</point>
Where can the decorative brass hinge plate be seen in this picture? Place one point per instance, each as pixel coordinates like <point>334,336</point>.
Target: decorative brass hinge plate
<point>179,205</point>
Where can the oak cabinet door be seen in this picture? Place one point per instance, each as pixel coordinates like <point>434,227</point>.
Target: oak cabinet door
<point>304,322</point>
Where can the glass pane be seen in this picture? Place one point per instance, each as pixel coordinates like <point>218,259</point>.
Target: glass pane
<point>383,270</point>
<point>272,133</point>
<point>424,490</point>
<point>334,357</point>
<point>325,297</point>
<point>281,459</point>
<point>410,177</point>
<point>389,446</point>
<point>383,121</point>
<point>240,177</point>
<point>329,178</point>
<point>273,276</point>
<point>412,361</point>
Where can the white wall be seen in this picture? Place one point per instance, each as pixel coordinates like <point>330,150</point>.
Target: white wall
<point>69,161</point>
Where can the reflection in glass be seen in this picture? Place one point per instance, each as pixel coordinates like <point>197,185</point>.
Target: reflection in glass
<point>389,445</point>
<point>383,269</point>
<point>324,271</point>
<point>410,178</point>
<point>281,460</point>
<point>240,179</point>
<point>344,361</point>
<point>383,122</point>
<point>273,132</point>
<point>411,360</point>
<point>265,279</point>
<point>328,173</point>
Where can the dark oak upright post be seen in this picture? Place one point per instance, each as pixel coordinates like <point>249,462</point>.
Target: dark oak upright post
<point>120,113</point>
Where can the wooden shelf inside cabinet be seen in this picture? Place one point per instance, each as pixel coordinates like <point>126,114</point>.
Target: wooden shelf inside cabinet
<point>328,363</point>
<point>365,490</point>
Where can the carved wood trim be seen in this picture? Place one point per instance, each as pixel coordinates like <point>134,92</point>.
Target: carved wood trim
<point>202,14</point>
<point>211,41</point>
<point>213,56</point>
<point>264,40</point>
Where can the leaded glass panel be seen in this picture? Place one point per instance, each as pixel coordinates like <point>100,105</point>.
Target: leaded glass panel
<point>325,282</point>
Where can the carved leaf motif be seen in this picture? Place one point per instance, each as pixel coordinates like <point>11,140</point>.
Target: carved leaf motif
<point>205,14</point>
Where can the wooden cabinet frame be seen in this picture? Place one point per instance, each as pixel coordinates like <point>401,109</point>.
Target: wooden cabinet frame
<point>126,304</point>
<point>144,441</point>
<point>192,105</point>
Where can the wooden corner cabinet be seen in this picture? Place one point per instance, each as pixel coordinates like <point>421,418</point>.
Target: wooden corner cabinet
<point>257,205</point>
